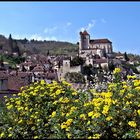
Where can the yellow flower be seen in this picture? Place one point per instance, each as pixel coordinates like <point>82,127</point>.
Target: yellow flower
<point>42,82</point>
<point>77,100</point>
<point>74,93</point>
<point>136,83</point>
<point>125,86</point>
<point>96,136</point>
<point>89,137</point>
<point>10,135</point>
<point>90,113</point>
<point>2,134</point>
<point>9,107</point>
<point>10,128</point>
<point>20,121</point>
<point>55,102</point>
<point>82,116</point>
<point>88,122</point>
<point>63,126</point>
<point>26,108</point>
<point>58,92</point>
<point>117,70</point>
<point>138,112</point>
<point>53,114</point>
<point>69,121</point>
<point>108,118</point>
<point>105,110</point>
<point>132,123</point>
<point>96,115</point>
<point>69,135</point>
<point>131,77</point>
<point>35,137</point>
<point>65,100</point>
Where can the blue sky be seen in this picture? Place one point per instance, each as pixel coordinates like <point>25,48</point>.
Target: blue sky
<point>117,21</point>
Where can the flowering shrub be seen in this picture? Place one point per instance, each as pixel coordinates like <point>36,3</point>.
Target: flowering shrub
<point>57,110</point>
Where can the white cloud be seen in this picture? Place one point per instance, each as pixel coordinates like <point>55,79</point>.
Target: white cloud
<point>35,37</point>
<point>16,36</point>
<point>39,37</point>
<point>89,26</point>
<point>103,20</point>
<point>50,30</point>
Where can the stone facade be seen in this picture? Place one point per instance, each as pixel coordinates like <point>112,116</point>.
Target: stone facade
<point>100,47</point>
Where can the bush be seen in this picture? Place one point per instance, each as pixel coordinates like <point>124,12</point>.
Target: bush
<point>57,110</point>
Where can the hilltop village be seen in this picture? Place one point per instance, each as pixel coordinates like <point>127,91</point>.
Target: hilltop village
<point>93,65</point>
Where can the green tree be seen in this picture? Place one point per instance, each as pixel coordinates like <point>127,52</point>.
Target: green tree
<point>75,77</point>
<point>126,57</point>
<point>87,70</point>
<point>76,61</point>
<point>11,42</point>
<point>111,66</point>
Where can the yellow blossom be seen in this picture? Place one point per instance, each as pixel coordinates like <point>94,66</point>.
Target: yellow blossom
<point>74,93</point>
<point>58,92</point>
<point>105,110</point>
<point>132,123</point>
<point>53,114</point>
<point>90,113</point>
<point>96,115</point>
<point>9,107</point>
<point>69,135</point>
<point>10,128</point>
<point>2,134</point>
<point>109,118</point>
<point>20,121</point>
<point>131,77</point>
<point>88,122</point>
<point>138,112</point>
<point>96,136</point>
<point>117,70</point>
<point>63,126</point>
<point>10,135</point>
<point>82,116</point>
<point>35,137</point>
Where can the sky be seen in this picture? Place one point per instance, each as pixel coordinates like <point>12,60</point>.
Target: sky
<point>62,21</point>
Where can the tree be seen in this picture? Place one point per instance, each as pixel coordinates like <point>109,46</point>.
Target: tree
<point>75,77</point>
<point>16,48</point>
<point>11,42</point>
<point>87,70</point>
<point>111,66</point>
<point>126,57</point>
<point>76,61</point>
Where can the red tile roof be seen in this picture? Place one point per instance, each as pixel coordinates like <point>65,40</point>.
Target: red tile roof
<point>96,41</point>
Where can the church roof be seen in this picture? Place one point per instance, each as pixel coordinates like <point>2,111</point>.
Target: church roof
<point>96,41</point>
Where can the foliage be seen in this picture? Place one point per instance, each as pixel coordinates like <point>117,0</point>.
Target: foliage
<point>75,77</point>
<point>76,61</point>
<point>111,66</point>
<point>12,60</point>
<point>57,110</point>
<point>126,57</point>
<point>87,70</point>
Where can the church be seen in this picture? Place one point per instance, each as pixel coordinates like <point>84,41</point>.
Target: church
<point>87,46</point>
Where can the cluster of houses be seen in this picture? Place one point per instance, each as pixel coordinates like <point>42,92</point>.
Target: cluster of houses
<point>97,52</point>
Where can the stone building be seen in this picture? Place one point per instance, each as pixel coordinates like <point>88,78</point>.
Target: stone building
<point>100,47</point>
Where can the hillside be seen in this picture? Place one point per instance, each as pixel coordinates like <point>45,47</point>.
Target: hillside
<point>36,47</point>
